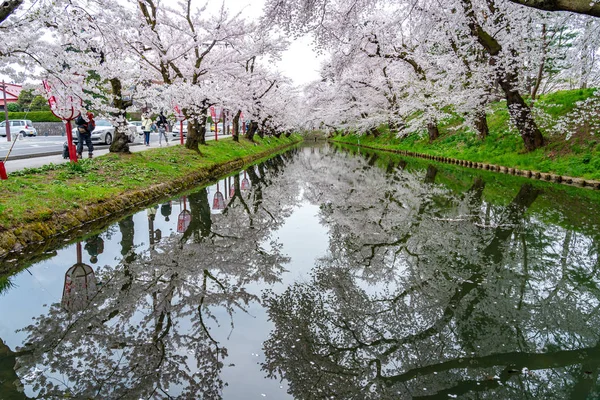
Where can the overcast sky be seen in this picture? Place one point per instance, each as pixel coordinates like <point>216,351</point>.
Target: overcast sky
<point>298,63</point>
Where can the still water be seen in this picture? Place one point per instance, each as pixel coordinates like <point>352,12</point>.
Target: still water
<point>325,272</point>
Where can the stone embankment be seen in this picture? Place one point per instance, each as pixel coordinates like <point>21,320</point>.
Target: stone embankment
<point>543,176</point>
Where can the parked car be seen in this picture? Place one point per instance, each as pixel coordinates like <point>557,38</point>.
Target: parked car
<point>105,132</point>
<point>176,129</point>
<point>209,128</point>
<point>138,126</point>
<point>212,128</point>
<point>22,126</point>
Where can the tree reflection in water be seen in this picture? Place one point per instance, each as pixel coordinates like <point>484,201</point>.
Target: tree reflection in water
<point>147,331</point>
<point>426,293</point>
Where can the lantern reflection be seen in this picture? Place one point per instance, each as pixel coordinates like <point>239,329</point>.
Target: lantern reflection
<point>80,285</point>
<point>231,188</point>
<point>245,182</point>
<point>218,200</point>
<point>184,218</point>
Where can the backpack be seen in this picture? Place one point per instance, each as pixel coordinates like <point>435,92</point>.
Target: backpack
<point>91,125</point>
<point>84,126</point>
<point>162,121</point>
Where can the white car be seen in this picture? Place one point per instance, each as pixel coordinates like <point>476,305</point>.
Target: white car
<point>18,126</point>
<point>209,129</point>
<point>176,129</point>
<point>105,132</point>
<point>138,126</point>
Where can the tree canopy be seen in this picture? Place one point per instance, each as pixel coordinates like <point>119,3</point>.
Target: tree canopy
<point>409,65</point>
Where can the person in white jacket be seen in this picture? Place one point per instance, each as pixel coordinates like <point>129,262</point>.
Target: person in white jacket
<point>146,128</point>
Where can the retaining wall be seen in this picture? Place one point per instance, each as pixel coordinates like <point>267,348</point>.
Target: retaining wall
<point>544,176</point>
<point>50,128</point>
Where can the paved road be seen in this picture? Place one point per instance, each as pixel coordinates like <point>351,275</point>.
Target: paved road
<point>31,146</point>
<point>38,151</point>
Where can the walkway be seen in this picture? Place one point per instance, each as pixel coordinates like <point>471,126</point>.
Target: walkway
<point>35,162</point>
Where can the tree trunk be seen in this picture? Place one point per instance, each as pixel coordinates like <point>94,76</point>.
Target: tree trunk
<point>586,7</point>
<point>10,383</point>
<point>521,115</point>
<point>235,126</point>
<point>518,110</point>
<point>481,125</point>
<point>431,174</point>
<point>8,7</point>
<point>540,74</point>
<point>252,130</point>
<point>200,225</point>
<point>120,143</point>
<point>587,59</point>
<point>261,129</point>
<point>433,131</point>
<point>196,134</point>
<point>127,228</point>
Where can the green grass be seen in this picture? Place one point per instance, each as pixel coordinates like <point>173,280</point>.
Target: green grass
<point>579,156</point>
<point>38,194</point>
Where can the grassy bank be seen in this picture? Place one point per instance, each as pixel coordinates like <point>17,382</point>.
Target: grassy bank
<point>572,149</point>
<point>39,203</point>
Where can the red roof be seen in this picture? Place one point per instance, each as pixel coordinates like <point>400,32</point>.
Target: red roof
<point>12,93</point>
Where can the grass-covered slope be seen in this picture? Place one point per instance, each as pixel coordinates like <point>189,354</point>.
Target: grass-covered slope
<point>572,137</point>
<point>35,203</point>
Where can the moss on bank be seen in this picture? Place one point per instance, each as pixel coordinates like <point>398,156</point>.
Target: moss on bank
<point>43,204</point>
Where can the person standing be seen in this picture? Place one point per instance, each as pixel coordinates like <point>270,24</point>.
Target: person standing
<point>85,126</point>
<point>146,128</point>
<point>161,123</point>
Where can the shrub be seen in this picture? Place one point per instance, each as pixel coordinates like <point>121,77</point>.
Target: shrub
<point>13,107</point>
<point>34,116</point>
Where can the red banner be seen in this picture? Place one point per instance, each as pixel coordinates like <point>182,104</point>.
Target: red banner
<point>178,113</point>
<point>216,113</point>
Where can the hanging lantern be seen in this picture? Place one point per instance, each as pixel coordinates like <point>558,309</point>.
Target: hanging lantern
<point>62,103</point>
<point>65,106</point>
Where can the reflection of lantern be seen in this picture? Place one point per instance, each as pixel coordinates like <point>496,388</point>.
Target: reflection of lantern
<point>231,190</point>
<point>184,218</point>
<point>245,182</point>
<point>183,221</point>
<point>80,285</point>
<point>218,200</point>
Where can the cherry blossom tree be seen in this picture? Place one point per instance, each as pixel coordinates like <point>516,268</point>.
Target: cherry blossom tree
<point>459,54</point>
